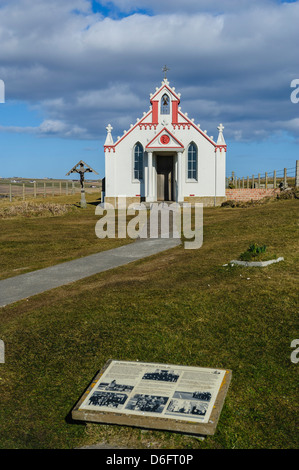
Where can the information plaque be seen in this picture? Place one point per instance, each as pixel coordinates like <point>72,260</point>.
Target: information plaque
<point>155,396</point>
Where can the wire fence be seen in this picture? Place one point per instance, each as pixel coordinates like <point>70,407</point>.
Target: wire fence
<point>22,190</point>
<point>287,177</point>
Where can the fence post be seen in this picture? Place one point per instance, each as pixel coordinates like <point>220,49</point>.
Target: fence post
<point>274,179</point>
<point>252,181</point>
<point>233,177</point>
<point>266,180</point>
<point>247,182</point>
<point>259,181</point>
<point>44,189</point>
<point>10,193</point>
<point>53,188</point>
<point>73,188</point>
<point>60,187</point>
<point>34,189</point>
<point>297,174</point>
<point>285,177</point>
<point>243,182</point>
<point>23,191</point>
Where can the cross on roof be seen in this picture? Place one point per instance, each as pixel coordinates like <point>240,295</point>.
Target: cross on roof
<point>220,128</point>
<point>165,70</point>
<point>109,128</point>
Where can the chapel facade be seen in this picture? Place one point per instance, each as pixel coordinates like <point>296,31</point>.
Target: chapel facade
<point>165,156</point>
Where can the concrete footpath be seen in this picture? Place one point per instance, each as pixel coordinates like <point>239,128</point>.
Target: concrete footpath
<point>25,285</point>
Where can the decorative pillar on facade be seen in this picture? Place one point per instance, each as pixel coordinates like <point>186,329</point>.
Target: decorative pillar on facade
<point>220,155</point>
<point>180,177</point>
<point>109,138</point>
<point>150,173</point>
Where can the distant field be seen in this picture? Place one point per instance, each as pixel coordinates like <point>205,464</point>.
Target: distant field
<point>26,188</point>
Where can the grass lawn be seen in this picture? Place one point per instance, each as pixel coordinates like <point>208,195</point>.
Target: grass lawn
<point>178,307</point>
<point>30,243</point>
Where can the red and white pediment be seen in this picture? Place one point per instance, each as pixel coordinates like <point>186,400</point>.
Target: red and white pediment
<point>164,140</point>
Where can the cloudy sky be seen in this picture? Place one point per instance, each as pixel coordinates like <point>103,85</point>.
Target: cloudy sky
<point>71,67</point>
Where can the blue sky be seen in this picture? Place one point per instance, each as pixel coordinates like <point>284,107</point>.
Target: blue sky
<point>72,67</point>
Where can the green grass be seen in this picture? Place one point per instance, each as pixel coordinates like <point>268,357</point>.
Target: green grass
<point>42,240</point>
<point>179,307</point>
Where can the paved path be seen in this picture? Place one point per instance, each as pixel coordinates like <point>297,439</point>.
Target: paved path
<point>25,285</point>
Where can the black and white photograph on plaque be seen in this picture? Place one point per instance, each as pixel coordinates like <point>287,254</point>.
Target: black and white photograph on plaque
<point>163,375</point>
<point>187,407</point>
<point>116,386</point>
<point>198,395</point>
<point>178,393</point>
<point>148,403</point>
<point>107,399</point>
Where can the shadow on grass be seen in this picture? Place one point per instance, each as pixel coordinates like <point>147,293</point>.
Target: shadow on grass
<point>69,419</point>
<point>93,203</point>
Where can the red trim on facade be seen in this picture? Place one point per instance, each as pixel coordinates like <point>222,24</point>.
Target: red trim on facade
<point>175,108</point>
<point>145,125</point>
<point>164,139</point>
<point>182,124</point>
<point>220,147</point>
<point>155,123</point>
<point>155,114</point>
<point>180,145</point>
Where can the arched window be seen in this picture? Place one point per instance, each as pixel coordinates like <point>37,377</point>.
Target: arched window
<point>165,104</point>
<point>138,162</point>
<point>192,162</point>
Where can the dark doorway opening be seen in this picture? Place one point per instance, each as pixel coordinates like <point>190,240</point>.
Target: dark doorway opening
<point>165,178</point>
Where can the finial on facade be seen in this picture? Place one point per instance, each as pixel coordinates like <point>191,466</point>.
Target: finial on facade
<point>220,139</point>
<point>109,139</point>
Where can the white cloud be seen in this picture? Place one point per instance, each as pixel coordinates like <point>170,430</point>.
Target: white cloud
<point>85,70</point>
<point>291,126</point>
<point>49,128</point>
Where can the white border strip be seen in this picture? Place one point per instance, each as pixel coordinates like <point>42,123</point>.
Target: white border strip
<point>256,263</point>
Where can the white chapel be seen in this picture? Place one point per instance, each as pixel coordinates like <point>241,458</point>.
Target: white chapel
<point>165,156</point>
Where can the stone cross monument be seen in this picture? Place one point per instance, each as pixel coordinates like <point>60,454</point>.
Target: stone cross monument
<point>82,168</point>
